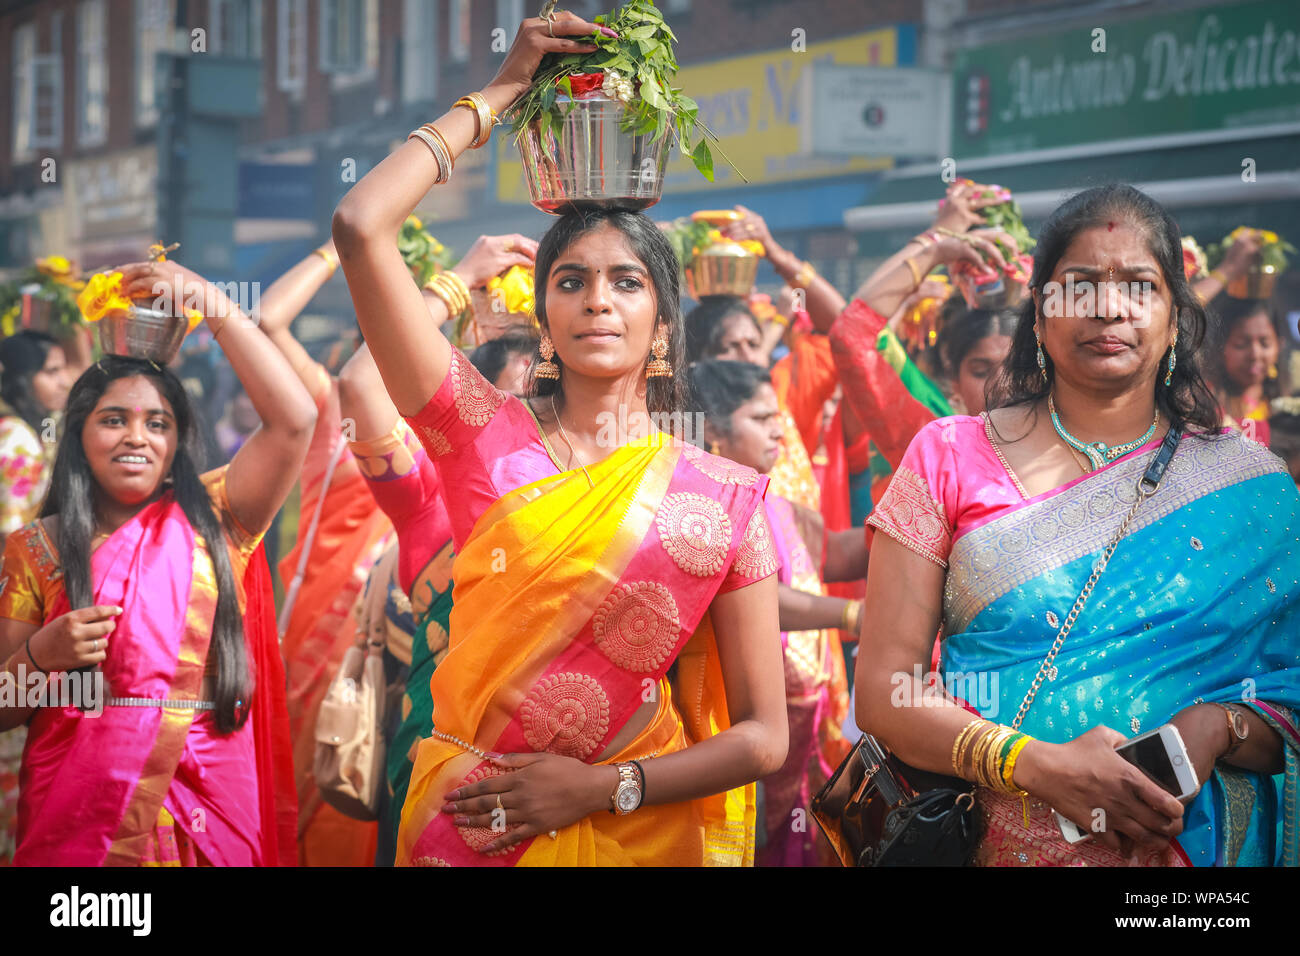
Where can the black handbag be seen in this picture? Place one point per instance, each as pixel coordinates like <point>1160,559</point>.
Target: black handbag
<point>878,811</point>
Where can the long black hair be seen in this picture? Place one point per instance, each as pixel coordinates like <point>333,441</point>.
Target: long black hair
<point>664,394</point>
<point>72,498</point>
<point>1187,400</point>
<point>707,323</point>
<point>22,355</point>
<point>1226,313</point>
<point>720,386</point>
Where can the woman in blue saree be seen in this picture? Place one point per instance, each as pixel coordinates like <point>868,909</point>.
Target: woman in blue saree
<point>994,525</point>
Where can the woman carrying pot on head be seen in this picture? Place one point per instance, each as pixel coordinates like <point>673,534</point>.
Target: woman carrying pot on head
<point>1084,595</point>
<point>593,551</point>
<point>135,571</point>
<point>743,424</point>
<point>1245,363</point>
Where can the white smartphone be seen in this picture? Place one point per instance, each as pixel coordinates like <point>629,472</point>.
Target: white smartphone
<point>1162,756</point>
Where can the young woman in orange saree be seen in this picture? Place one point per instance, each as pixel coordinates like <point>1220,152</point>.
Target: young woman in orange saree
<point>575,592</point>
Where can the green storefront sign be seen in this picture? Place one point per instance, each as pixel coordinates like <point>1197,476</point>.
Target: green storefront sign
<point>1212,68</point>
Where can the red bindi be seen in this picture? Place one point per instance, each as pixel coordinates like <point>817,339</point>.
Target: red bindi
<point>1110,227</point>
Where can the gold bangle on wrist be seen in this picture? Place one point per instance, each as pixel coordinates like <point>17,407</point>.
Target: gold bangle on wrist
<point>804,277</point>
<point>957,743</point>
<point>486,116</point>
<point>452,289</point>
<point>1217,275</point>
<point>780,319</point>
<point>964,741</point>
<point>330,259</point>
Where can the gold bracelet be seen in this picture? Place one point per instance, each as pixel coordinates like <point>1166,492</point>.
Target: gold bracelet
<point>956,742</point>
<point>803,278</point>
<point>916,272</point>
<point>441,139</point>
<point>457,283</point>
<point>780,319</point>
<point>448,295</point>
<point>966,739</point>
<point>980,754</point>
<point>452,290</point>
<point>485,115</point>
<point>330,259</point>
<point>1217,275</point>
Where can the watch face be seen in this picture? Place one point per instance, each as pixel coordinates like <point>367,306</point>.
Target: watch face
<point>628,798</point>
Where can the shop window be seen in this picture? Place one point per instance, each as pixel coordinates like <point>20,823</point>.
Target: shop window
<point>92,72</point>
<point>291,45</point>
<point>153,31</point>
<point>236,27</point>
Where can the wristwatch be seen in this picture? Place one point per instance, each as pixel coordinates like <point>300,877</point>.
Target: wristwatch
<point>1237,727</point>
<point>627,795</point>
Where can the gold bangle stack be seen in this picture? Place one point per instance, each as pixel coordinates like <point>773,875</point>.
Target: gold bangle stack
<point>452,289</point>
<point>993,750</point>
<point>804,277</point>
<point>487,117</point>
<point>432,137</point>
<point>330,259</point>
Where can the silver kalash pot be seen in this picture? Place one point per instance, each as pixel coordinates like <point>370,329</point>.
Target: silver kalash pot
<point>592,161</point>
<point>142,333</point>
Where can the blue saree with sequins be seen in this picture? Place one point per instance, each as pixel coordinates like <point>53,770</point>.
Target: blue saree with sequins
<point>1200,603</point>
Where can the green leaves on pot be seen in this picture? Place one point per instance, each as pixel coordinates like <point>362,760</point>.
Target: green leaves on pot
<point>642,52</point>
<point>1272,251</point>
<point>685,235</point>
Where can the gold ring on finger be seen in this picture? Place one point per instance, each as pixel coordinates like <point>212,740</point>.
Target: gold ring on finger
<point>550,25</point>
<point>510,245</point>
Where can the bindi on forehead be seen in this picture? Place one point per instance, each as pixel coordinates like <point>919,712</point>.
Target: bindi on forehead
<point>1110,227</point>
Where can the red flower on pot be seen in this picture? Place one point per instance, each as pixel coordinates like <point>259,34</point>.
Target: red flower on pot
<point>586,85</point>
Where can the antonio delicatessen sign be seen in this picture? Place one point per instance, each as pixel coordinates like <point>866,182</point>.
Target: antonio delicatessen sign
<point>1211,68</point>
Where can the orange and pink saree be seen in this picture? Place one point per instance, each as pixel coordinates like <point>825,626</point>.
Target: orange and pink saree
<point>573,597</point>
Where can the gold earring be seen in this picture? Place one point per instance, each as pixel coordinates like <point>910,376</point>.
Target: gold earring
<point>658,366</point>
<point>713,448</point>
<point>1272,371</point>
<point>546,368</point>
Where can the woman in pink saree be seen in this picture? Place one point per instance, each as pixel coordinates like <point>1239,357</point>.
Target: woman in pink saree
<point>743,423</point>
<point>134,574</point>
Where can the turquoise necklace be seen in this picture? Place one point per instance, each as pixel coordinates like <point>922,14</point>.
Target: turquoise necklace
<point>1099,453</point>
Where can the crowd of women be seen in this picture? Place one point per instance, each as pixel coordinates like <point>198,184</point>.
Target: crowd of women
<point>657,649</point>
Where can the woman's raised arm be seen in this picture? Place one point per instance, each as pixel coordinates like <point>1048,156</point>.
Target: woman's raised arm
<point>287,296</point>
<point>265,469</point>
<point>412,356</point>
